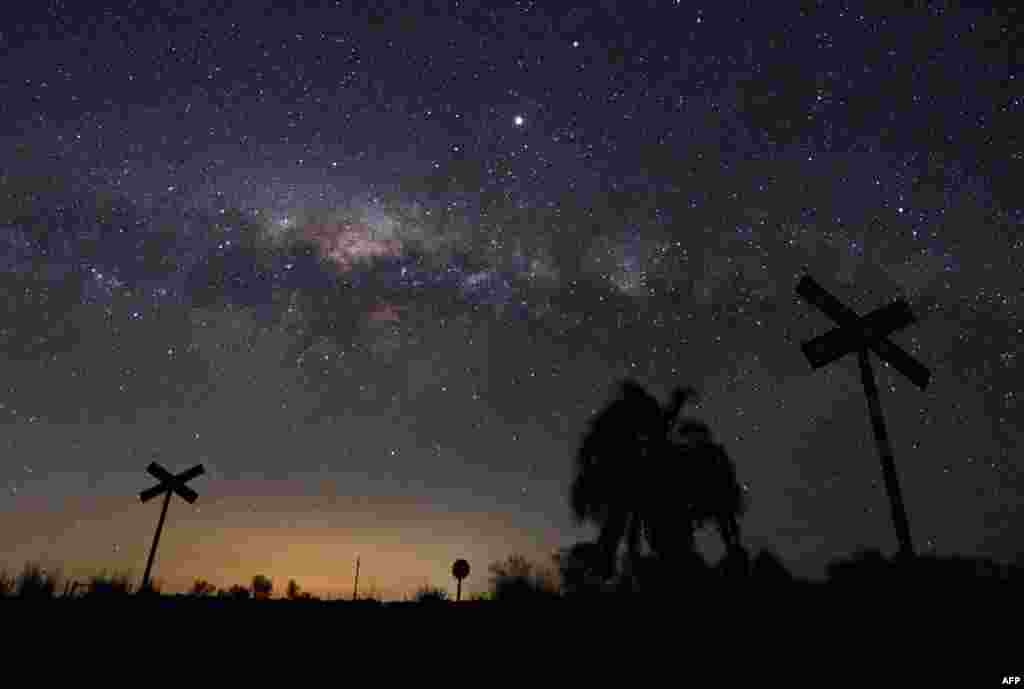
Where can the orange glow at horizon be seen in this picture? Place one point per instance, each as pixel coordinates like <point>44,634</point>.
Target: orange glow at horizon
<point>402,545</point>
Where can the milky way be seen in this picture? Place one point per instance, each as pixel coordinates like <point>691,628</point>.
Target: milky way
<point>377,269</point>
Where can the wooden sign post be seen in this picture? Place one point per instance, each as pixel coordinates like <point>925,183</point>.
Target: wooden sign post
<point>861,334</point>
<point>168,483</point>
<point>355,587</point>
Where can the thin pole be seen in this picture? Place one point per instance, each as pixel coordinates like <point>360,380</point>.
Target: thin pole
<point>458,591</point>
<point>156,540</point>
<point>355,589</point>
<point>892,484</point>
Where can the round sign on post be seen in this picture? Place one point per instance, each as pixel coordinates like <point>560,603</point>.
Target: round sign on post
<point>460,570</point>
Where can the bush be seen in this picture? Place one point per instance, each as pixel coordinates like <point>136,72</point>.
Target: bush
<point>517,579</point>
<point>7,584</point>
<point>236,592</point>
<point>262,587</point>
<point>36,583</point>
<point>431,594</point>
<point>201,588</point>
<point>112,585</point>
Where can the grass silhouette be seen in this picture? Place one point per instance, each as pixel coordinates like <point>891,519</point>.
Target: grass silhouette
<point>431,595</point>
<point>863,580</point>
<point>104,585</point>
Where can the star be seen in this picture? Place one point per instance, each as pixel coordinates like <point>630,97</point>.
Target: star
<point>331,248</point>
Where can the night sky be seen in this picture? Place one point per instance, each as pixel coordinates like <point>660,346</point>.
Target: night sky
<point>376,268</point>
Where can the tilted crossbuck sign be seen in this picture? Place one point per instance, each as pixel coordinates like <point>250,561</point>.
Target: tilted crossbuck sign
<point>855,333</point>
<point>862,334</point>
<point>169,483</point>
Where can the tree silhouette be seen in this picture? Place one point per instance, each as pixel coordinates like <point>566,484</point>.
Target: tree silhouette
<point>639,478</point>
<point>201,588</point>
<point>717,496</point>
<point>35,583</point>
<point>609,463</point>
<point>236,592</point>
<point>293,591</point>
<point>262,587</point>
<point>518,579</point>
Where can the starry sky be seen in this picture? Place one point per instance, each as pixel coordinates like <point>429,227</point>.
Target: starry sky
<point>375,264</point>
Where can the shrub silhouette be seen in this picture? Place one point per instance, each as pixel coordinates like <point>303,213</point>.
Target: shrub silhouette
<point>201,588</point>
<point>925,577</point>
<point>35,583</point>
<point>71,588</point>
<point>295,592</point>
<point>262,587</point>
<point>517,579</point>
<point>431,594</point>
<point>107,586</point>
<point>641,476</point>
<point>236,592</point>
<point>7,584</point>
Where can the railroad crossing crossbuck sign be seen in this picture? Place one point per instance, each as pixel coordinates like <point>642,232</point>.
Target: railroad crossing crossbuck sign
<point>169,483</point>
<point>861,334</point>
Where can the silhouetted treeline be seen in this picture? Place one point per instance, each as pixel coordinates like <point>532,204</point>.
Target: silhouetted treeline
<point>571,577</point>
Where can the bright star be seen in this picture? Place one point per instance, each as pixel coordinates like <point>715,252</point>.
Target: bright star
<point>519,120</point>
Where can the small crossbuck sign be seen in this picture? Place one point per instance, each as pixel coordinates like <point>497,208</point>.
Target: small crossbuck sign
<point>169,483</point>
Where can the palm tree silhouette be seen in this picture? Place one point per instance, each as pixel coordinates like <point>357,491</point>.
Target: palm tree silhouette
<point>638,481</point>
<point>716,496</point>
